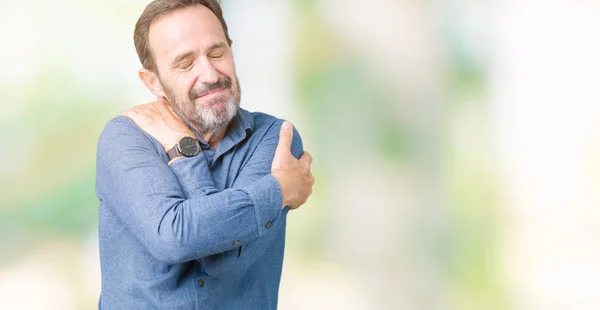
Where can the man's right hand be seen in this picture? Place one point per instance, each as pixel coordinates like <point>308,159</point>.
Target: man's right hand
<point>293,175</point>
<point>160,121</point>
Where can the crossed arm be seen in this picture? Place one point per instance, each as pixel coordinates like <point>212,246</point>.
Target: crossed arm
<point>176,211</point>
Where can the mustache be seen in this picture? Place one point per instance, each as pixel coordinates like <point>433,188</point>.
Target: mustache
<point>203,89</point>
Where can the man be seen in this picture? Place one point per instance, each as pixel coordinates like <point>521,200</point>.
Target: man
<point>193,190</point>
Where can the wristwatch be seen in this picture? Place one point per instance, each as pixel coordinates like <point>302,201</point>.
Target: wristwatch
<point>187,146</point>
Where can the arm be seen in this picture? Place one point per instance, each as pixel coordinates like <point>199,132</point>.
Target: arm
<point>147,196</point>
<point>259,165</point>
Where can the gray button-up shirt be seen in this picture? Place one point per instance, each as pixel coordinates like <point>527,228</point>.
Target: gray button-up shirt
<point>207,232</point>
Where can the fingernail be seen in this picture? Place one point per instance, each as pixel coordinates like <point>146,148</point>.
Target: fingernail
<point>286,125</point>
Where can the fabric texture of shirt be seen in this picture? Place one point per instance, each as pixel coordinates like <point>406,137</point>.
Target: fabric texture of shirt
<point>206,232</point>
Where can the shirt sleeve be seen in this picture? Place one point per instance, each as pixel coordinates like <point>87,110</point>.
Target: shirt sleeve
<point>257,167</point>
<point>151,198</point>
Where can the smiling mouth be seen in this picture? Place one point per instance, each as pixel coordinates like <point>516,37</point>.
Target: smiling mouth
<point>212,92</point>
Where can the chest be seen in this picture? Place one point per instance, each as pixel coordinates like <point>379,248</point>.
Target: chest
<point>227,167</point>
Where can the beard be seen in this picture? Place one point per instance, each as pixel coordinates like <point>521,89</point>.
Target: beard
<point>215,114</point>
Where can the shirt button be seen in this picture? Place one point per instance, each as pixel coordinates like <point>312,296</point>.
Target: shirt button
<point>268,224</point>
<point>201,282</point>
<point>235,243</point>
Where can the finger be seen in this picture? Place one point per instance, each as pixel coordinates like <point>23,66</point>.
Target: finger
<point>133,111</point>
<point>164,102</point>
<point>159,108</point>
<point>150,108</point>
<point>306,158</point>
<point>132,114</point>
<point>286,134</point>
<point>166,105</point>
<point>142,109</point>
<point>170,109</point>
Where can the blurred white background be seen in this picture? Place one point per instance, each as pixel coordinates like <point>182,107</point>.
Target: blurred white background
<point>456,147</point>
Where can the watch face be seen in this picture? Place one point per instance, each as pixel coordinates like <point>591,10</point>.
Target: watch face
<point>189,147</point>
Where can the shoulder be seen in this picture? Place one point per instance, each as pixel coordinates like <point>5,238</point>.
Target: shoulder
<point>268,127</point>
<point>120,136</point>
<point>262,120</point>
<point>119,124</point>
<point>122,128</point>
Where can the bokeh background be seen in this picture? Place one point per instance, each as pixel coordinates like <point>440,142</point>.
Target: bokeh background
<point>456,146</point>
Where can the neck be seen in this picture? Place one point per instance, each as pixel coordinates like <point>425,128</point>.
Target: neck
<point>214,138</point>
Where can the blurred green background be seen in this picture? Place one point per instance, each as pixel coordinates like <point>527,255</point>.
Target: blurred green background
<point>455,143</point>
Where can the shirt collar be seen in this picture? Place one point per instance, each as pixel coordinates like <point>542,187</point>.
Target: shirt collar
<point>246,120</point>
<point>241,127</point>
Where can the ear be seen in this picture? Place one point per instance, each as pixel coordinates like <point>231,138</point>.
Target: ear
<point>151,81</point>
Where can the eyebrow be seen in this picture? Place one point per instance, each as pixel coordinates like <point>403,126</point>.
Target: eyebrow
<point>217,46</point>
<point>187,54</point>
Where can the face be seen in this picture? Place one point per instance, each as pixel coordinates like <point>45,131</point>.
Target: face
<point>195,67</point>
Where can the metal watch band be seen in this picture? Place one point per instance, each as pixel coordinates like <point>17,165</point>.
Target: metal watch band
<point>174,152</point>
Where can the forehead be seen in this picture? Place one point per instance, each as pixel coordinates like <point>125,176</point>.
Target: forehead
<point>192,28</point>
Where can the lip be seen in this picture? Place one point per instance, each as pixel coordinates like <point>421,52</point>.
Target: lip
<point>210,93</point>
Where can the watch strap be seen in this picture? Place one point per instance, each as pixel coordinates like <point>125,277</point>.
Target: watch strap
<point>174,152</point>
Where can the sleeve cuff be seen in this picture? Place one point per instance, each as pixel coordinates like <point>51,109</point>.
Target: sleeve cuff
<point>193,173</point>
<point>267,199</point>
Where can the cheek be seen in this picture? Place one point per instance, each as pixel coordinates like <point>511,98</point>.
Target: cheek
<point>227,68</point>
<point>184,83</point>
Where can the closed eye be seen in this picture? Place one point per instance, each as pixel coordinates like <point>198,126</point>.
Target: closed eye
<point>183,61</point>
<point>218,55</point>
<point>185,64</point>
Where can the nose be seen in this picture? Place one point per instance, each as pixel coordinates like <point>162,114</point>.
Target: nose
<point>207,73</point>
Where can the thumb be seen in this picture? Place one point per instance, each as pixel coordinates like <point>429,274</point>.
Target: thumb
<point>286,134</point>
